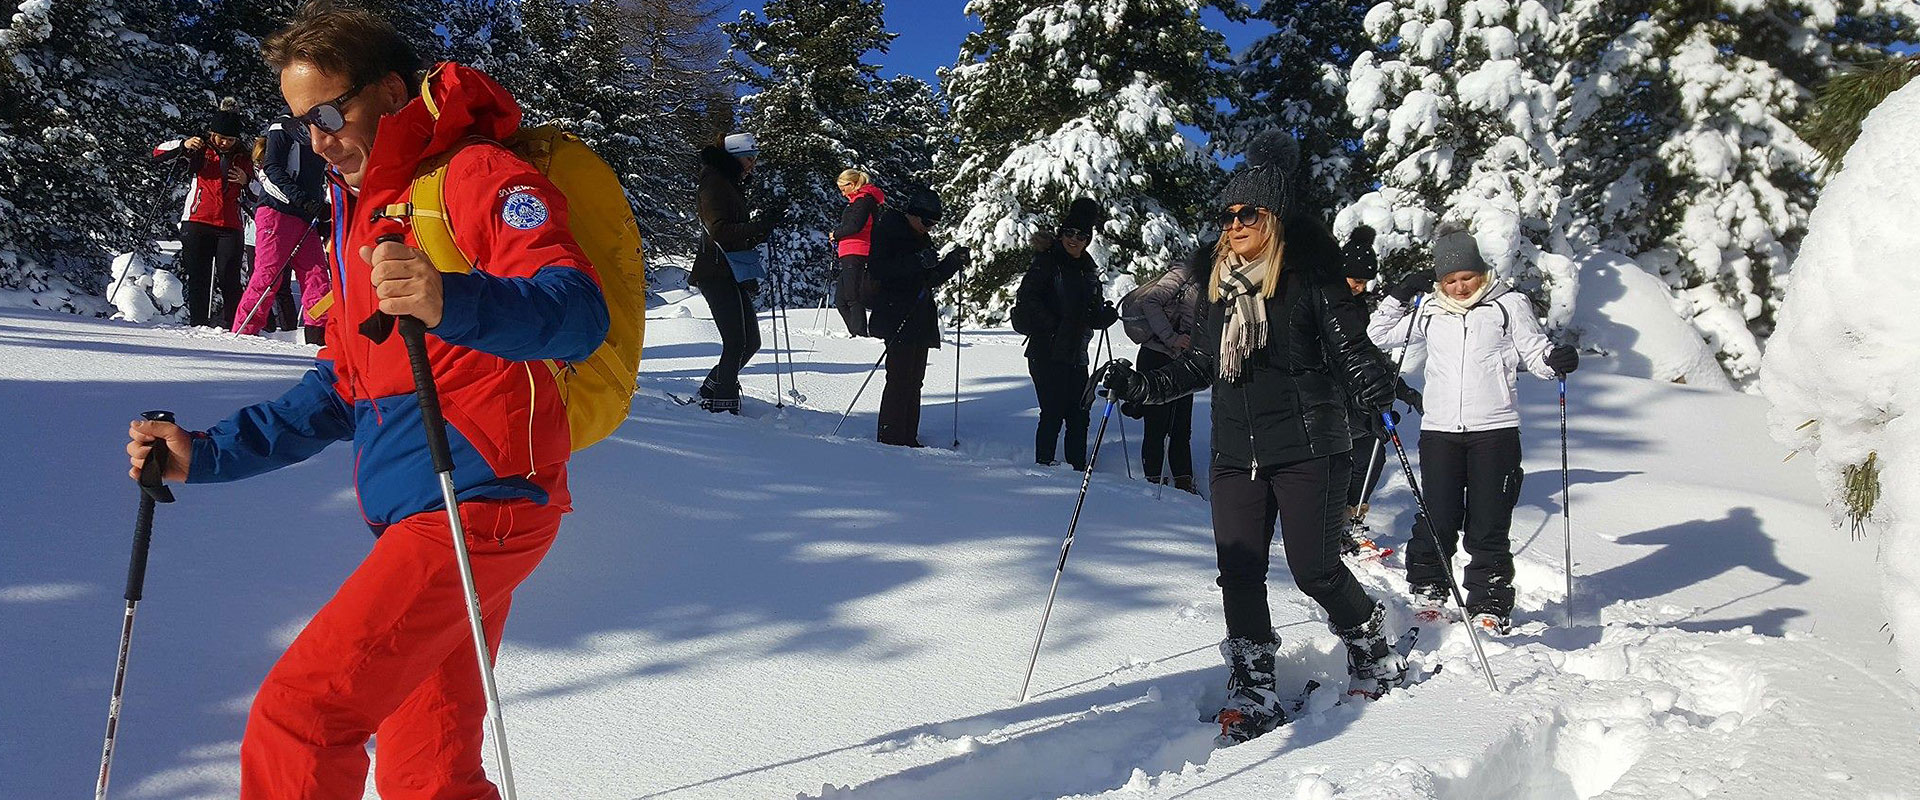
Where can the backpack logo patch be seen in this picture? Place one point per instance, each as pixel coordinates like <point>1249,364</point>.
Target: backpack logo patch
<point>524,211</point>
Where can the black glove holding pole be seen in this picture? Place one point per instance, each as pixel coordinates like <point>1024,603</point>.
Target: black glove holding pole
<point>1411,286</point>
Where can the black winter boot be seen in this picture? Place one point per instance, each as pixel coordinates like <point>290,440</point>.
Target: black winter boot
<point>717,399</point>
<point>1373,666</point>
<point>1253,702</point>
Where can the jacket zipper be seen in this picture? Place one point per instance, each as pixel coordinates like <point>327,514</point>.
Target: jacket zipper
<point>1253,448</point>
<point>1461,375</point>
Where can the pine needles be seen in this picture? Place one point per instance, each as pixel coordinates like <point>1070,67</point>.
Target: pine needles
<point>1846,99</point>
<point>1862,483</point>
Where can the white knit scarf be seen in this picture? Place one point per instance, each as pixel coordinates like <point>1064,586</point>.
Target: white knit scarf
<point>1246,324</point>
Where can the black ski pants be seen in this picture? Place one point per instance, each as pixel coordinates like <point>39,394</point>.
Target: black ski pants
<point>900,398</point>
<point>1472,479</point>
<point>1304,497</point>
<point>739,325</point>
<point>846,295</point>
<point>1061,388</point>
<point>1369,457</point>
<point>1169,427</point>
<point>210,255</point>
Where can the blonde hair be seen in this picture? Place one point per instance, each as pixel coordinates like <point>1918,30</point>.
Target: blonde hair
<point>259,150</point>
<point>1274,255</point>
<point>855,177</point>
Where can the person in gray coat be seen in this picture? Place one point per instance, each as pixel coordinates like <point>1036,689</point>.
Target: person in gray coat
<point>1168,307</point>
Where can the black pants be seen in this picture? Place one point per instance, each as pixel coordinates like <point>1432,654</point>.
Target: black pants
<point>739,325</point>
<point>209,255</point>
<point>1369,457</point>
<point>846,296</point>
<point>1471,478</point>
<point>1061,388</point>
<point>1169,427</point>
<point>900,398</point>
<point>1304,497</point>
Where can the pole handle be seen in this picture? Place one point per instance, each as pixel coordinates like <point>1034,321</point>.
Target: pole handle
<point>152,490</point>
<point>414,333</point>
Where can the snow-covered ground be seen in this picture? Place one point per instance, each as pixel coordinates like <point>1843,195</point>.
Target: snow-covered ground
<point>752,608</point>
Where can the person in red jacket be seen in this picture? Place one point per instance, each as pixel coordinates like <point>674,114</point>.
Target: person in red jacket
<point>212,220</point>
<point>854,241</point>
<point>390,656</point>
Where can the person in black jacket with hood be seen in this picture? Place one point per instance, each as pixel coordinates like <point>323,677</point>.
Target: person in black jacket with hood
<point>1280,340</point>
<point>729,228</point>
<point>1059,307</point>
<point>902,260</point>
<point>1368,460</point>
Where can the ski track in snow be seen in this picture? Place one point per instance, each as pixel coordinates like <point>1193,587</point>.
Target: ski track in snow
<point>750,608</point>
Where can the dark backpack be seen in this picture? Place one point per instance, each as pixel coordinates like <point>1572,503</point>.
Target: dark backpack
<point>1133,318</point>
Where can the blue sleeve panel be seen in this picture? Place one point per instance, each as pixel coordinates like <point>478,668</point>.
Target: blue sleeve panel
<point>267,436</point>
<point>559,313</point>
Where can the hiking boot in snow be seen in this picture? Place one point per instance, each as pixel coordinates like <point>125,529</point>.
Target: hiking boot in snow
<point>717,399</point>
<point>1429,602</point>
<point>1373,665</point>
<point>1253,703</point>
<point>1185,483</point>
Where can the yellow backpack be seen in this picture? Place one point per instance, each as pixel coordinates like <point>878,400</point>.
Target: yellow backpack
<point>598,392</point>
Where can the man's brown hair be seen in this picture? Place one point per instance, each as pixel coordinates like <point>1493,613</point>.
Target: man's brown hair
<point>343,39</point>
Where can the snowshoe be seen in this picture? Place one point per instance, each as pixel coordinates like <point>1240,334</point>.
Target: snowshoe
<point>1493,624</point>
<point>1359,545</point>
<point>1253,703</point>
<point>1374,665</point>
<point>717,400</point>
<point>1429,603</point>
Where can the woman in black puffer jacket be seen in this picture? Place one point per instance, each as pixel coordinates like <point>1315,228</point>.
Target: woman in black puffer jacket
<point>1278,340</point>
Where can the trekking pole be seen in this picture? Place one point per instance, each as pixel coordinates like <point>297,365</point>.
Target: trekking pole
<point>153,489</point>
<point>1566,499</point>
<point>285,265</point>
<point>956,369</point>
<point>1126,450</point>
<point>1060,568</point>
<point>1374,466</point>
<point>1446,564</point>
<point>773,294</point>
<point>876,362</point>
<point>786,324</point>
<point>414,333</point>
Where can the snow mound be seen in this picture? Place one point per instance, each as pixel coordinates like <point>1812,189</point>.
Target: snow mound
<point>1627,314</point>
<point>1843,368</point>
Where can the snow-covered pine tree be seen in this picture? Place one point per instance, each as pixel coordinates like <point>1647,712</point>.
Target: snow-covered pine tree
<point>1057,99</point>
<point>1458,104</point>
<point>624,76</point>
<point>86,90</point>
<point>1682,145</point>
<point>1295,79</point>
<point>817,107</point>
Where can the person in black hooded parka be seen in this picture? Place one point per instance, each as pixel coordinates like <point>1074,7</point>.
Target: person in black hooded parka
<point>1281,341</point>
<point>903,262</point>
<point>1059,307</point>
<point>727,222</point>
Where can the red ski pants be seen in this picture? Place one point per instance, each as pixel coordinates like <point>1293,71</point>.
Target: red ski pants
<point>391,656</point>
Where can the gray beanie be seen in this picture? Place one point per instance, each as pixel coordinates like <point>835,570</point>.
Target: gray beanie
<point>1456,252</point>
<point>1266,179</point>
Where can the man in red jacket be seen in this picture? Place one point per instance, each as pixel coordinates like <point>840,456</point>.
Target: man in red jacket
<point>390,656</point>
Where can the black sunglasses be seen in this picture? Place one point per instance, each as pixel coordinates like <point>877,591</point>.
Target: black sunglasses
<point>1076,233</point>
<point>1248,216</point>
<point>330,116</point>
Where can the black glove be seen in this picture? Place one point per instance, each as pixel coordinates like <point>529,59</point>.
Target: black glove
<point>750,286</point>
<point>1133,410</point>
<point>316,210</point>
<point>1102,315</point>
<point>958,259</point>
<point>1417,283</point>
<point>1563,359</point>
<point>1376,381</point>
<point>1412,398</point>
<point>1124,383</point>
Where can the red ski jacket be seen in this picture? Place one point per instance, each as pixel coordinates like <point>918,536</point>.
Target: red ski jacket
<point>532,296</point>
<point>211,198</point>
<point>856,223</point>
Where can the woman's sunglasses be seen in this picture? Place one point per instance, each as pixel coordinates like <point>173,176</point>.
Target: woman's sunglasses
<point>1248,216</point>
<point>330,116</point>
<point>1075,234</point>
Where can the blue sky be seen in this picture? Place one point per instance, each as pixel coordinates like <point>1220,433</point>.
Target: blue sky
<point>930,32</point>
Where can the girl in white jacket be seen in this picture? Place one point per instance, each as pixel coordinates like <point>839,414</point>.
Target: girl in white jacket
<point>1478,335</point>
